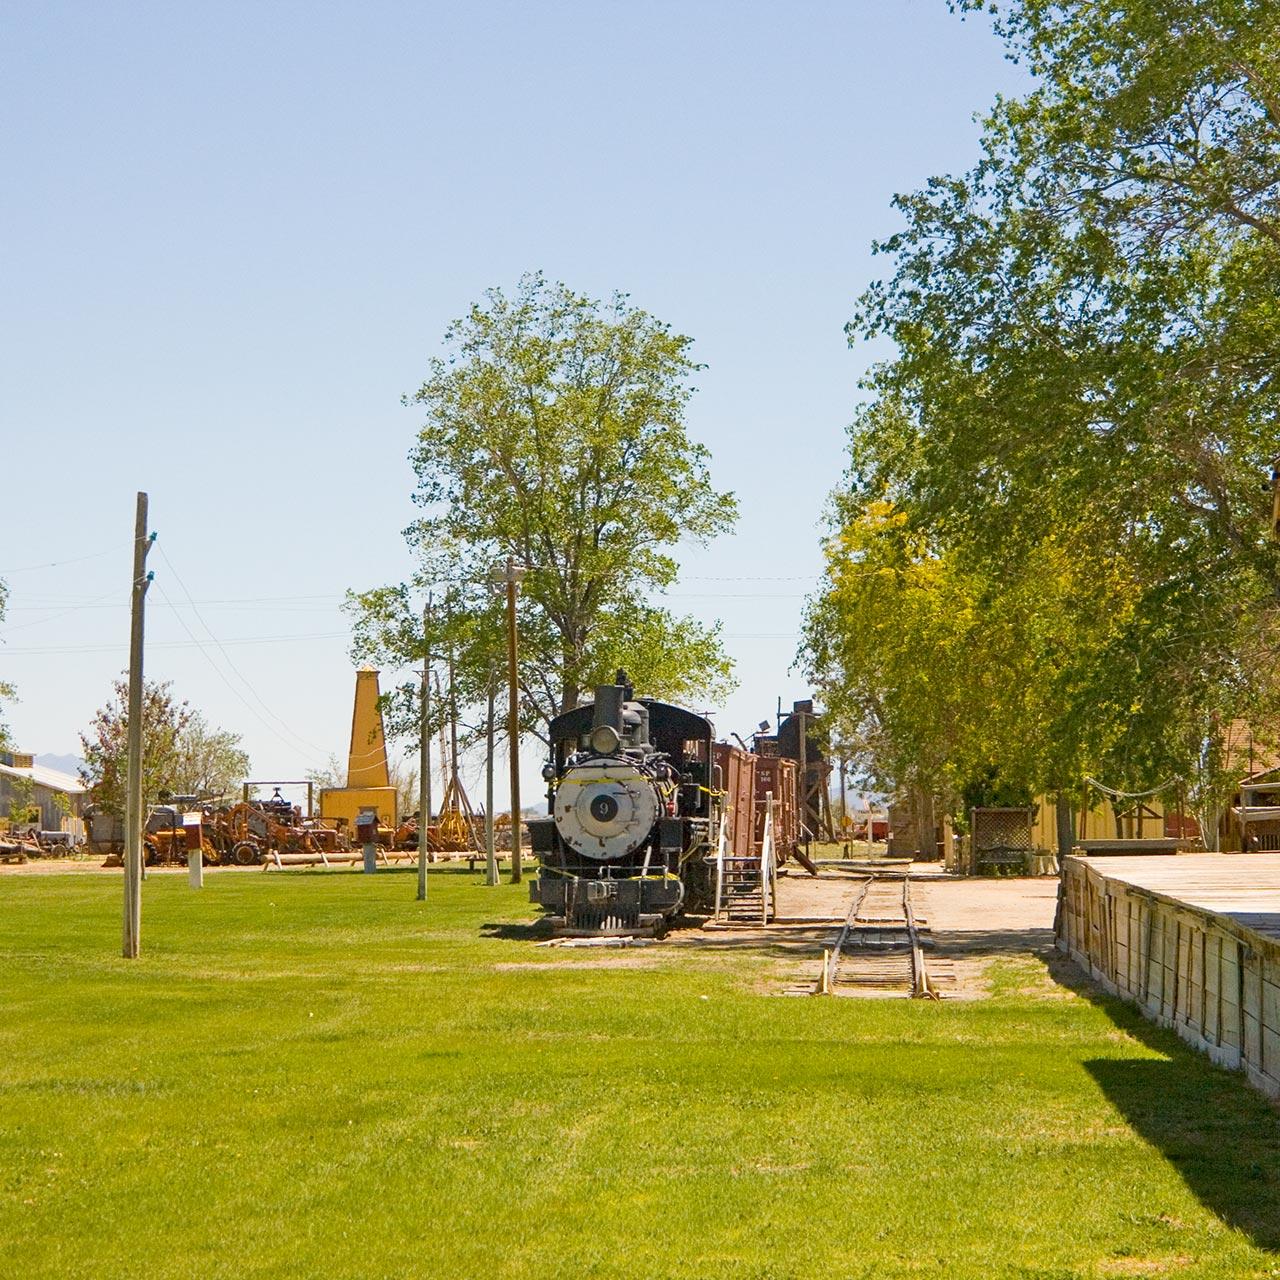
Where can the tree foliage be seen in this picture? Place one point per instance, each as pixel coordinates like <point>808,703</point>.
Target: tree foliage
<point>182,753</point>
<point>208,761</point>
<point>1077,426</point>
<point>554,434</point>
<point>22,792</point>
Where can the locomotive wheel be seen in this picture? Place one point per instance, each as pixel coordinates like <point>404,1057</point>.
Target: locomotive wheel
<point>245,854</point>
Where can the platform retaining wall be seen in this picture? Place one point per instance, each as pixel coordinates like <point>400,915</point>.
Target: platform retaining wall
<point>1213,980</point>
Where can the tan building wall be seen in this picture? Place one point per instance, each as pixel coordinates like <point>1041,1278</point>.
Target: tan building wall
<point>1145,821</point>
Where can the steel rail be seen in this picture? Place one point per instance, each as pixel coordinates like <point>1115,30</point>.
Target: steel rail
<point>921,987</point>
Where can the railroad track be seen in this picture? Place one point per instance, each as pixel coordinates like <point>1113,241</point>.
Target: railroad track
<point>880,947</point>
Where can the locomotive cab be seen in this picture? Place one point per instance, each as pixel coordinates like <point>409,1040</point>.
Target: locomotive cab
<point>628,814</point>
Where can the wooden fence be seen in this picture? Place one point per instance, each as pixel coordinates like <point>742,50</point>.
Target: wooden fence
<point>1211,978</point>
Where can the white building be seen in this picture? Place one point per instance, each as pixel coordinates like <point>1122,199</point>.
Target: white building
<point>46,785</point>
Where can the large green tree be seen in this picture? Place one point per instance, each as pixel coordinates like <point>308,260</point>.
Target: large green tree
<point>554,433</point>
<point>1086,332</point>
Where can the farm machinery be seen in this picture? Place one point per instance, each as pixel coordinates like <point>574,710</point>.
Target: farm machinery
<point>249,833</point>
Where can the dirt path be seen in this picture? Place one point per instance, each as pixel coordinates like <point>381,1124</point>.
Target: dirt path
<point>82,865</point>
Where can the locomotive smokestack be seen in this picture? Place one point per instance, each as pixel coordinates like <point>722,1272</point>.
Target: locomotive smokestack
<point>609,700</point>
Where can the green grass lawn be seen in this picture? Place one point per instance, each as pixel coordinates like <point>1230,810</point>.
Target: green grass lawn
<point>310,1074</point>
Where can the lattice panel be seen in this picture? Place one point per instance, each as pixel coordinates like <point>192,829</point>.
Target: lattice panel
<point>1001,829</point>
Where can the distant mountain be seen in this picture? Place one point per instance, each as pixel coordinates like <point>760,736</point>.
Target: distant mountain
<point>64,764</point>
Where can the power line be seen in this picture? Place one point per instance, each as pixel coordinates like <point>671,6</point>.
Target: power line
<point>62,613</point>
<point>267,606</point>
<point>242,608</point>
<point>237,641</point>
<point>240,675</point>
<point>293,746</point>
<point>339,600</point>
<point>57,564</point>
<point>226,600</point>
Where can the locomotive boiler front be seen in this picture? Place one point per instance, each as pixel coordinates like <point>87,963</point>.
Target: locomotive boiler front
<point>605,809</point>
<point>609,799</point>
<point>624,804</point>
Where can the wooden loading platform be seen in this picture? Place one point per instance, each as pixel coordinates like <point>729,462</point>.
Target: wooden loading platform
<point>1192,940</point>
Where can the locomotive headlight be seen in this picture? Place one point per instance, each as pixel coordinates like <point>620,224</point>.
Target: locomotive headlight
<point>604,739</point>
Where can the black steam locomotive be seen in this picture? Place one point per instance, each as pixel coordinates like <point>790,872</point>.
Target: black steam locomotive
<point>632,815</point>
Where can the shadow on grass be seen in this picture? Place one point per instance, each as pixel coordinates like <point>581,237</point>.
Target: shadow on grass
<point>776,940</point>
<point>1218,1132</point>
<point>517,930</point>
<point>783,938</point>
<point>779,941</point>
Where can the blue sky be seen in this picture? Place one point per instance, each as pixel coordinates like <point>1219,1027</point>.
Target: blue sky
<point>233,234</point>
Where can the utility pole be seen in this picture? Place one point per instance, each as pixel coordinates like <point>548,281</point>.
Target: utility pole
<point>510,578</point>
<point>490,848</point>
<point>424,757</point>
<point>132,941</point>
<point>453,725</point>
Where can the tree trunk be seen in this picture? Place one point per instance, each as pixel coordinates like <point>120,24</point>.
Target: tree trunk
<point>570,689</point>
<point>1209,826</point>
<point>1065,823</point>
<point>926,834</point>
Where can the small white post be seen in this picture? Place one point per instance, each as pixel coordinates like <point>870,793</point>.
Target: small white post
<point>191,827</point>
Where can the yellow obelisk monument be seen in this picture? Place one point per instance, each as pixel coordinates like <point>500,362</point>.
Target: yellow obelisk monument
<point>368,778</point>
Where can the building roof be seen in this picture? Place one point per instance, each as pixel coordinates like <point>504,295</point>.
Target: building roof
<point>43,776</point>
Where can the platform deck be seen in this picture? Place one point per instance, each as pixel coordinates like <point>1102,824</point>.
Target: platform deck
<point>1243,887</point>
<point>1193,940</point>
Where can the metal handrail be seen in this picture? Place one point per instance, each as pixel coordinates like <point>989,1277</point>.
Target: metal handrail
<point>722,845</point>
<point>768,885</point>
